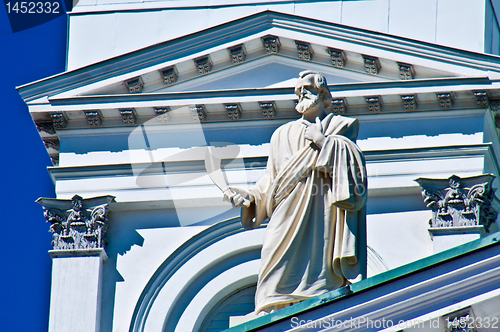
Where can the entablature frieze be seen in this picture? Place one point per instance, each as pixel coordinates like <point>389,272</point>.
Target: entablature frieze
<point>215,106</point>
<point>171,165</point>
<point>355,100</point>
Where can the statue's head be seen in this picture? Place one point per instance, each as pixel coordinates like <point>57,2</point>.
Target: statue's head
<point>313,92</point>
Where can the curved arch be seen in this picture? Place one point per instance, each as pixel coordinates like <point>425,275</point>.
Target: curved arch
<point>236,296</point>
<point>214,293</point>
<point>186,254</point>
<point>196,284</point>
<point>194,266</point>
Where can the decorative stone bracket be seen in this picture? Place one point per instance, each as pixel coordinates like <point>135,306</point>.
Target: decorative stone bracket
<point>459,202</point>
<point>77,223</point>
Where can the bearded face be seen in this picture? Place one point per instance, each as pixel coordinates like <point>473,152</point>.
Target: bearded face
<point>308,102</point>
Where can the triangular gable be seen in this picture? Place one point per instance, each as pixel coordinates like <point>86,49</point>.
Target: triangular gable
<point>303,43</point>
<point>249,65</point>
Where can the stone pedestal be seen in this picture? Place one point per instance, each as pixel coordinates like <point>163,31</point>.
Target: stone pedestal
<point>75,298</point>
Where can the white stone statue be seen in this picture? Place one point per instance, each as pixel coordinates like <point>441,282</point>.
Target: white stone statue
<point>314,194</point>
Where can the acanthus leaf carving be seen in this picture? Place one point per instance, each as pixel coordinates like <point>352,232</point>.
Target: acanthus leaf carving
<point>233,111</point>
<point>162,114</point>
<point>374,104</point>
<point>78,226</point>
<point>495,105</point>
<point>94,118</point>
<point>459,202</point>
<point>339,106</point>
<point>203,64</point>
<point>482,99</point>
<point>55,159</point>
<point>58,120</point>
<point>268,109</point>
<point>304,50</point>
<point>51,143</point>
<point>199,113</point>
<point>169,75</point>
<point>372,64</point>
<point>409,102</point>
<point>128,116</point>
<point>445,99</point>
<point>134,85</point>
<point>271,44</point>
<point>46,126</point>
<point>406,71</point>
<point>338,57</point>
<point>237,53</point>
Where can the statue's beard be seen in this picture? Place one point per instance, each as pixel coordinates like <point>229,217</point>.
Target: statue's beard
<point>308,103</point>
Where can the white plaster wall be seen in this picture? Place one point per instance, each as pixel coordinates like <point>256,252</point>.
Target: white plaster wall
<point>405,16</point>
<point>102,29</point>
<point>138,265</point>
<point>177,288</point>
<point>74,298</point>
<point>461,24</point>
<point>447,241</point>
<point>399,238</point>
<point>199,191</point>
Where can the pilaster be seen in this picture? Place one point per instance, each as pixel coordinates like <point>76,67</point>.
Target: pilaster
<point>78,226</point>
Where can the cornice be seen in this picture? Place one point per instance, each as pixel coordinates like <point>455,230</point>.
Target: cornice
<point>347,88</point>
<point>351,99</point>
<point>256,25</point>
<point>147,57</point>
<point>164,167</point>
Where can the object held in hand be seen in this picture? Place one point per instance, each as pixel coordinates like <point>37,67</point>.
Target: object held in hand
<point>213,166</point>
<point>229,194</point>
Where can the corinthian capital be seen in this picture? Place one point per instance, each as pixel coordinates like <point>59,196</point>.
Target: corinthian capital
<point>460,202</point>
<point>77,223</point>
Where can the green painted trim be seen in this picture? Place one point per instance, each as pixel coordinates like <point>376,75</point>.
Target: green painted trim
<point>372,282</point>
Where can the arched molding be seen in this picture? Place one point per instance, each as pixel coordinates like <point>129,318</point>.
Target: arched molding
<point>201,272</point>
<point>176,307</point>
<point>219,310</point>
<point>200,309</point>
<point>204,258</point>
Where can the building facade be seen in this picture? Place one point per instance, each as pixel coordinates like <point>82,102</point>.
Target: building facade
<point>154,91</point>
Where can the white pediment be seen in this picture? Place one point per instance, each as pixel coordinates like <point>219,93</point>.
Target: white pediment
<point>272,71</point>
<point>376,73</point>
<point>261,68</point>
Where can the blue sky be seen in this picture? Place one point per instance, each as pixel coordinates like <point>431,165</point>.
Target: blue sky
<point>25,56</point>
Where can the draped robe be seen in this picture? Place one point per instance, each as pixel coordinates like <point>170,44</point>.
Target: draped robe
<point>314,199</point>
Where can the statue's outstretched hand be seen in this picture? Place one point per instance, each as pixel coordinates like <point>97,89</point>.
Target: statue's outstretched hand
<point>314,133</point>
<point>238,197</point>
